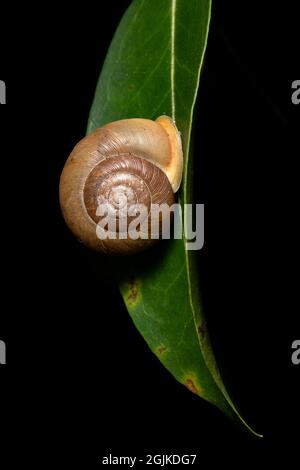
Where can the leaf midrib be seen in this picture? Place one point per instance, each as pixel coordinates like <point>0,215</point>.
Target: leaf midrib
<point>173,34</point>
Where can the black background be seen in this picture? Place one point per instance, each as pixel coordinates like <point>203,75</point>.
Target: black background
<point>80,381</point>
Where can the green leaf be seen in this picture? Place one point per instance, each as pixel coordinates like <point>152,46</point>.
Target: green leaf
<point>153,68</point>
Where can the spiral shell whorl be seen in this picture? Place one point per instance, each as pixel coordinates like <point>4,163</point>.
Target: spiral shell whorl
<point>123,182</point>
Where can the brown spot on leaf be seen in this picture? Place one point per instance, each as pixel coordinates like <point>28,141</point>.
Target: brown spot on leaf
<point>133,291</point>
<point>191,386</point>
<point>202,330</point>
<point>160,350</point>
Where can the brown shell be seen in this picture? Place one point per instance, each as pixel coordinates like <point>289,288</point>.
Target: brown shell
<point>127,160</point>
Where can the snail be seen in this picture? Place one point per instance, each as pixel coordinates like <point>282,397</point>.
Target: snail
<point>130,163</point>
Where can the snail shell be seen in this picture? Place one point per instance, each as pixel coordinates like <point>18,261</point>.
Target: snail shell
<point>120,165</point>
